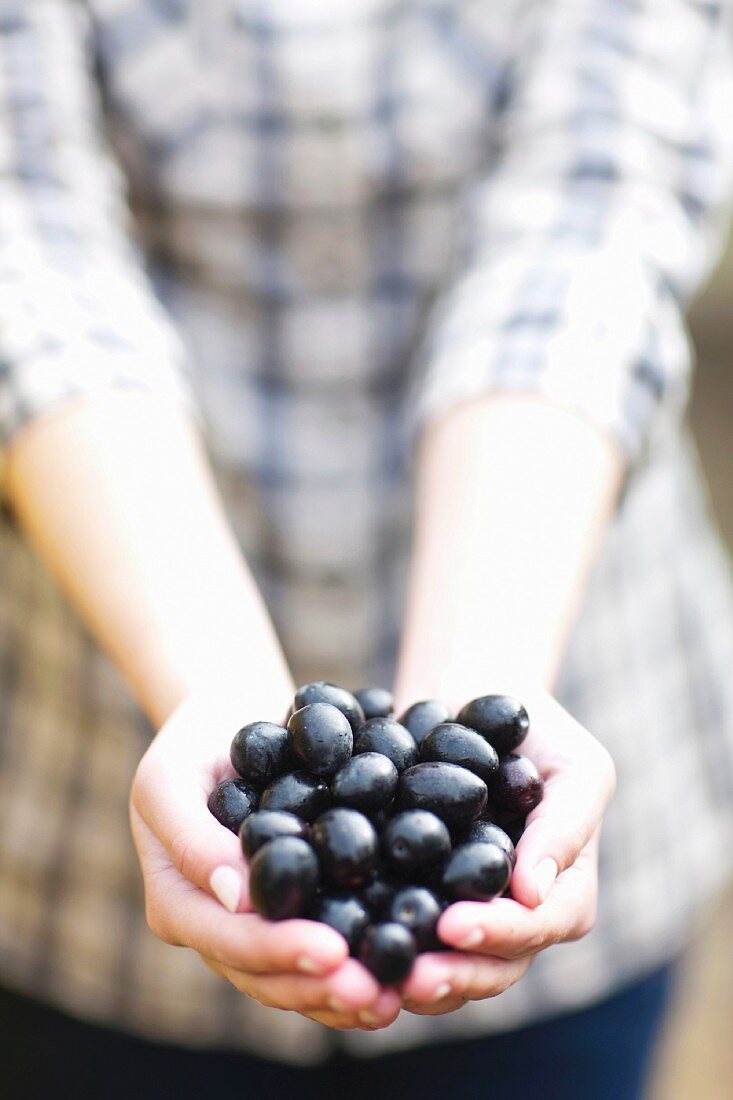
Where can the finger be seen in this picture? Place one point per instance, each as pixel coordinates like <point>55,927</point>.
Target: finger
<point>439,1008</point>
<point>505,929</point>
<point>578,786</point>
<point>349,990</point>
<point>383,1013</point>
<point>243,941</point>
<point>438,978</point>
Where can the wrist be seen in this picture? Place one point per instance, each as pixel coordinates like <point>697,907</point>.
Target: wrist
<point>457,690</point>
<point>245,669</point>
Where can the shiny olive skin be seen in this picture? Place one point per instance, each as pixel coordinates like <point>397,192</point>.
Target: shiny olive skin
<point>376,702</point>
<point>377,894</point>
<point>321,691</point>
<point>232,801</point>
<point>476,872</point>
<point>486,832</point>
<point>502,720</point>
<point>265,825</point>
<point>453,793</point>
<point>388,737</point>
<point>367,783</point>
<point>344,912</point>
<point>321,738</point>
<point>457,744</point>
<point>260,751</point>
<point>283,878</point>
<point>388,951</point>
<point>421,717</point>
<point>517,786</point>
<point>414,842</point>
<point>346,845</point>
<point>297,793</point>
<point>418,909</point>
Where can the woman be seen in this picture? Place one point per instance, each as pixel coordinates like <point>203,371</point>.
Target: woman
<point>527,194</point>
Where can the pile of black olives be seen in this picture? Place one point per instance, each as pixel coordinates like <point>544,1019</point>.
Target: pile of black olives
<point>374,825</point>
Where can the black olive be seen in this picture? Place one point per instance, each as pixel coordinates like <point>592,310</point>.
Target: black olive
<point>366,782</point>
<point>321,738</point>
<point>456,795</point>
<point>376,702</point>
<point>265,825</point>
<point>297,793</point>
<point>321,691</point>
<point>421,717</point>
<point>347,848</point>
<point>283,878</point>
<point>502,720</point>
<point>260,751</point>
<point>476,872</point>
<point>231,801</point>
<point>388,737</point>
<point>388,951</point>
<point>456,744</point>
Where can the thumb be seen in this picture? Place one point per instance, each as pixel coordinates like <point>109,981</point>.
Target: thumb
<point>174,809</point>
<point>558,830</point>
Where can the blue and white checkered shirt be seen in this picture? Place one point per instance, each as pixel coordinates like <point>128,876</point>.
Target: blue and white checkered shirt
<point>348,217</point>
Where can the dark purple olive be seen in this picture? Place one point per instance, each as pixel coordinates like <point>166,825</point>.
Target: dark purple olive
<point>260,751</point>
<point>388,951</point>
<point>297,793</point>
<point>376,702</point>
<point>456,744</point>
<point>486,832</point>
<point>502,720</point>
<point>265,825</point>
<point>388,737</point>
<point>367,782</point>
<point>321,738</point>
<point>421,717</point>
<point>514,829</point>
<point>476,872</point>
<point>231,801</point>
<point>414,842</point>
<point>517,786</point>
<point>321,691</point>
<point>344,912</point>
<point>456,795</point>
<point>283,878</point>
<point>418,909</point>
<point>346,845</point>
<point>377,894</point>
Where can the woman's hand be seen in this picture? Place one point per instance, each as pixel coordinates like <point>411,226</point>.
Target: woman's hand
<point>195,881</point>
<point>554,884</point>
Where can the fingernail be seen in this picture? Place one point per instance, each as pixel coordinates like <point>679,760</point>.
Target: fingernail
<point>472,939</point>
<point>369,1019</point>
<point>226,884</point>
<point>335,1004</point>
<point>441,991</point>
<point>545,874</point>
<point>308,965</point>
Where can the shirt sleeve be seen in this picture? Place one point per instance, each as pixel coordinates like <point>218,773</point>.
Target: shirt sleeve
<point>598,219</point>
<point>77,315</point>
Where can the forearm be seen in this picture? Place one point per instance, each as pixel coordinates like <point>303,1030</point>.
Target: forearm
<point>512,497</point>
<point>116,497</point>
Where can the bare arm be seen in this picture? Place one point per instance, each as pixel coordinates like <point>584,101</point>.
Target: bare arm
<point>513,497</point>
<point>117,498</point>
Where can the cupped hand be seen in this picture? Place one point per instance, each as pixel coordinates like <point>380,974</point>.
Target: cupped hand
<point>554,884</point>
<point>196,886</point>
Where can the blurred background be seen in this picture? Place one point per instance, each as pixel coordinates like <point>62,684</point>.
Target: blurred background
<point>696,1058</point>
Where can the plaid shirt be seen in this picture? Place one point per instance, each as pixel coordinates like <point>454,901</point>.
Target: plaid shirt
<point>349,217</point>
